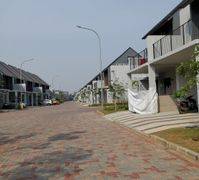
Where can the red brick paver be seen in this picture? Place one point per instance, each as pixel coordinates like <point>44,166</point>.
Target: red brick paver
<point>73,142</point>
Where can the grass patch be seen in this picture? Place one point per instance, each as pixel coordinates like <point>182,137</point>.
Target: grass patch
<point>95,105</point>
<point>186,137</point>
<point>110,108</point>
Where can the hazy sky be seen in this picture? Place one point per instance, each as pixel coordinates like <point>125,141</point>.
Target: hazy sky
<point>45,30</point>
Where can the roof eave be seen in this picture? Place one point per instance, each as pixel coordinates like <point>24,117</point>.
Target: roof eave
<point>167,17</point>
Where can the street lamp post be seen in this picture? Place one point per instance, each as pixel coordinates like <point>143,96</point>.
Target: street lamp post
<point>100,59</point>
<point>20,76</point>
<point>22,63</point>
<point>53,78</point>
<point>53,88</point>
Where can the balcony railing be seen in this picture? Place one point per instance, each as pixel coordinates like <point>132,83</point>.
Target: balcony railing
<point>179,37</point>
<point>139,59</point>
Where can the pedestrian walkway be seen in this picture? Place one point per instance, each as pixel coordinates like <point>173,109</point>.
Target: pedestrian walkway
<point>156,122</point>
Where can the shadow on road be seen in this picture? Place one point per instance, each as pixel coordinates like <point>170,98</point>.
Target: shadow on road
<point>5,139</point>
<point>67,136</point>
<point>61,163</point>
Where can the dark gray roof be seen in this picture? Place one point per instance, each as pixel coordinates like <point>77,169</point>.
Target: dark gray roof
<point>12,71</point>
<point>6,70</point>
<point>123,58</point>
<point>164,20</point>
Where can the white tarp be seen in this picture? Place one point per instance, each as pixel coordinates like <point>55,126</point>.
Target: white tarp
<point>143,102</point>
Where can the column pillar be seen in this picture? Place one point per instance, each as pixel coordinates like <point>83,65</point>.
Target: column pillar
<point>197,59</point>
<point>37,99</point>
<point>32,99</point>
<point>152,77</point>
<point>98,97</point>
<point>7,97</point>
<point>13,82</point>
<point>16,99</point>
<point>25,98</point>
<point>129,81</point>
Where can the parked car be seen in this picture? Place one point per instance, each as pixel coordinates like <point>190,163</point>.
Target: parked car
<point>47,102</point>
<point>10,105</point>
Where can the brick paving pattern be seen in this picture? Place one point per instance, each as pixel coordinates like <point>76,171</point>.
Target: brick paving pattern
<point>73,142</point>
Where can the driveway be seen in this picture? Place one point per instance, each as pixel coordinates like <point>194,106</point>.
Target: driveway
<point>74,142</point>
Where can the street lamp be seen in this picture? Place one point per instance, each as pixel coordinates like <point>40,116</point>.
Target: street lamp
<point>53,78</point>
<point>20,76</point>
<point>22,63</point>
<point>100,59</point>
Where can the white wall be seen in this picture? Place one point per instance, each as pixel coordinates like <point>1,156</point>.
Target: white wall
<point>181,16</point>
<point>119,73</point>
<point>185,14</point>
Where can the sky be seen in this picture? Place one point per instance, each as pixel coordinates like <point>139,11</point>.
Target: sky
<point>46,31</point>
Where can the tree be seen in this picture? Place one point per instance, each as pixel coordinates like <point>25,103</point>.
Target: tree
<point>117,90</point>
<point>189,70</point>
<point>95,92</point>
<point>83,95</point>
<point>135,84</point>
<point>88,93</point>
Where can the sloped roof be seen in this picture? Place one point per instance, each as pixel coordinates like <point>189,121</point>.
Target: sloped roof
<point>171,13</point>
<point>12,71</point>
<point>6,70</point>
<point>132,53</point>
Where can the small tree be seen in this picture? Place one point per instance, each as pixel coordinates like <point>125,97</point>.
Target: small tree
<point>82,95</point>
<point>135,84</point>
<point>88,93</point>
<point>95,92</point>
<point>117,90</point>
<point>189,70</point>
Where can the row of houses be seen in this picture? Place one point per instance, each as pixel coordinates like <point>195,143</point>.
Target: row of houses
<point>18,86</point>
<point>116,71</point>
<point>168,43</point>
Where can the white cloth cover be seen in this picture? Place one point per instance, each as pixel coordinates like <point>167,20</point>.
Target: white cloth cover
<point>143,102</point>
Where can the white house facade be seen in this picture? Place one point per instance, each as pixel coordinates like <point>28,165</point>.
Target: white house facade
<point>114,72</point>
<point>169,43</point>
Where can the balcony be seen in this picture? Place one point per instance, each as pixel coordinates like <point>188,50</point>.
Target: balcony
<point>19,87</point>
<point>178,38</point>
<point>38,89</point>
<point>139,59</point>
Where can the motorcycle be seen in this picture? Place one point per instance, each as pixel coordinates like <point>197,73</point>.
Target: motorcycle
<point>188,104</point>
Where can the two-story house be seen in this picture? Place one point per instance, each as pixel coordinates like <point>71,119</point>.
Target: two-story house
<point>17,85</point>
<point>114,72</point>
<point>169,43</point>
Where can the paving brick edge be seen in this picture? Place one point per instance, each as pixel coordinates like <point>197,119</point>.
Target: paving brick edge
<point>184,151</point>
<point>169,145</point>
<point>100,113</point>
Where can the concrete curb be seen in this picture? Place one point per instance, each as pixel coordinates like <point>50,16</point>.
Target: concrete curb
<point>169,145</point>
<point>184,151</point>
<point>172,146</point>
<point>100,113</point>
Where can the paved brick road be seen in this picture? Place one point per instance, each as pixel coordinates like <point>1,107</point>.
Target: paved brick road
<point>73,142</point>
